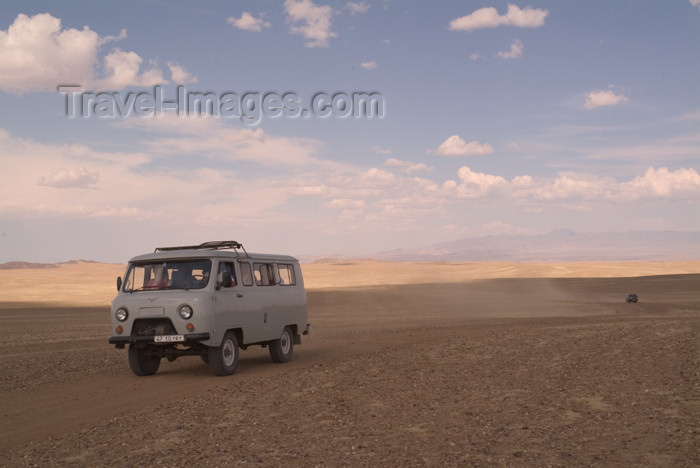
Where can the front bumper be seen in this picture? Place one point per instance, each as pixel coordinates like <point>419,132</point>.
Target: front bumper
<point>122,340</point>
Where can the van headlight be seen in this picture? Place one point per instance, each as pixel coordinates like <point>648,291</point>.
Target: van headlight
<point>121,314</point>
<point>185,311</point>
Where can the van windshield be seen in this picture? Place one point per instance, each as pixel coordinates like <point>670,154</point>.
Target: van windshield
<point>175,274</point>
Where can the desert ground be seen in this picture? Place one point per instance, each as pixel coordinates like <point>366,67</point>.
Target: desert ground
<point>408,364</point>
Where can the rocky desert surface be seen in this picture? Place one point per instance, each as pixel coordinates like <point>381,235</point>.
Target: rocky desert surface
<point>408,364</point>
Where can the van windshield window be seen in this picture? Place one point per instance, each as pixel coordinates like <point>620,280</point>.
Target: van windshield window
<point>168,274</point>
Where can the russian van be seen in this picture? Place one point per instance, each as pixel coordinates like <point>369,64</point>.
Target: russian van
<point>208,300</point>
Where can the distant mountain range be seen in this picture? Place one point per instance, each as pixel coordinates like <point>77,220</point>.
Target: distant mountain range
<point>556,246</point>
<point>559,246</point>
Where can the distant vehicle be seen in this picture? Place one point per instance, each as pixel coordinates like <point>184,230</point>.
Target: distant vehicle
<point>208,300</point>
<point>632,298</point>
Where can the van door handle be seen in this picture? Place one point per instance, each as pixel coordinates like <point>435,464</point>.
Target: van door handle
<point>239,295</point>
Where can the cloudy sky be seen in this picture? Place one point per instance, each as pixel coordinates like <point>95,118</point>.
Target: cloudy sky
<point>518,117</point>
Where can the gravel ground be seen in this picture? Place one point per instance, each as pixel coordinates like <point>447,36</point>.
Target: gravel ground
<point>617,389</point>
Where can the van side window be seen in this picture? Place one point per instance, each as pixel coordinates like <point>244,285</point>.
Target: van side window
<point>226,267</point>
<point>246,274</point>
<point>264,275</point>
<point>286,273</point>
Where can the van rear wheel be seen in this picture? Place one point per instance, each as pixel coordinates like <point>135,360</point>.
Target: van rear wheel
<point>223,359</point>
<point>141,363</point>
<point>282,348</point>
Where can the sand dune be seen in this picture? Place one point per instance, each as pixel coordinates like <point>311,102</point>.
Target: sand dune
<point>372,273</point>
<point>95,283</point>
<point>73,283</point>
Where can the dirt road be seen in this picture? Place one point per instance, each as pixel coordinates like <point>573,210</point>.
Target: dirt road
<point>535,372</point>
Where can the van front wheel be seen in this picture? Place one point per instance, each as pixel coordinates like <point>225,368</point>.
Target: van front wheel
<point>223,359</point>
<point>282,348</point>
<point>141,363</point>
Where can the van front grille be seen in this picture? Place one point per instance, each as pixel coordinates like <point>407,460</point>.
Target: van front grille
<point>152,327</point>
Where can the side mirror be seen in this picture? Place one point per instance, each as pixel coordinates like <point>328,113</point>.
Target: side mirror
<point>119,283</point>
<point>226,280</point>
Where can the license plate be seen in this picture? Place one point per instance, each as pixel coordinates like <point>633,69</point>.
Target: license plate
<point>168,339</point>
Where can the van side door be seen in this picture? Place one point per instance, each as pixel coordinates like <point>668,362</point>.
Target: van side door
<point>234,305</point>
<point>255,302</point>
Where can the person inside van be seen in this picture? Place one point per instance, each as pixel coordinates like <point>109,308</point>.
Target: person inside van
<point>226,267</point>
<point>159,279</point>
<point>181,279</point>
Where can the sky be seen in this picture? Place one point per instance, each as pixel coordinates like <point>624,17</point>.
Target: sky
<point>342,128</point>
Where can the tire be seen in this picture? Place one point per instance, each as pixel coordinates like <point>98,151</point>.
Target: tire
<point>281,349</point>
<point>224,359</point>
<point>141,363</point>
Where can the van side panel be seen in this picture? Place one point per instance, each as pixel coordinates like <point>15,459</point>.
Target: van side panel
<point>291,308</point>
<point>260,312</point>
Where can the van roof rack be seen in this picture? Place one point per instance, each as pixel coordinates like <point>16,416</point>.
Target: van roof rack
<point>212,245</point>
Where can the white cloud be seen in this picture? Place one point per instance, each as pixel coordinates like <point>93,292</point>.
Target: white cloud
<point>418,168</point>
<point>71,178</point>
<point>248,22</point>
<point>369,65</point>
<point>122,70</point>
<point>344,203</point>
<point>393,162</point>
<point>216,140</point>
<point>516,50</point>
<point>476,184</point>
<point>476,56</point>
<point>138,185</point>
<point>36,54</point>
<point>380,150</point>
<point>142,183</point>
<point>695,3</point>
<point>658,183</point>
<point>455,146</point>
<point>311,21</point>
<point>408,167</point>
<point>662,183</point>
<point>603,98</point>
<point>357,8</point>
<point>205,188</point>
<point>376,177</point>
<point>488,17</point>
<point>566,186</point>
<point>180,74</point>
<point>106,39</point>
<point>381,193</point>
<point>34,170</point>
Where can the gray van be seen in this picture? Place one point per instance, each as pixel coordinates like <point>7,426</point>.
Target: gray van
<point>208,300</point>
